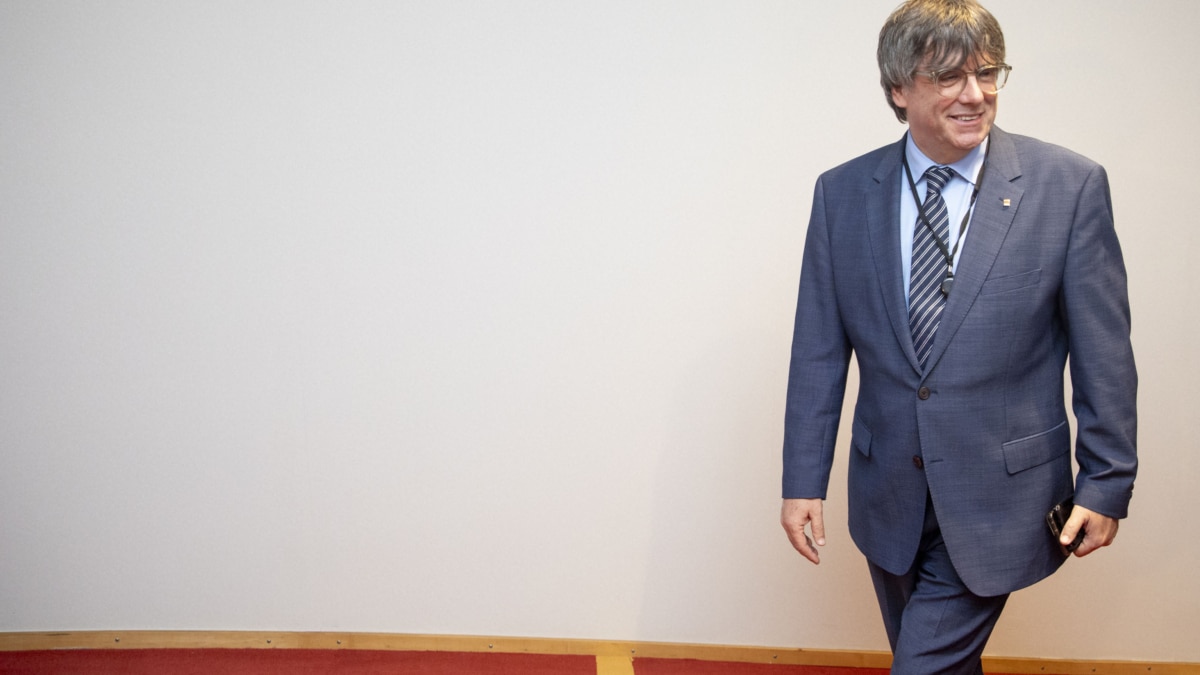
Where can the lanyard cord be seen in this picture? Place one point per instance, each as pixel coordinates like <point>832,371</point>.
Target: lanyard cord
<point>946,252</point>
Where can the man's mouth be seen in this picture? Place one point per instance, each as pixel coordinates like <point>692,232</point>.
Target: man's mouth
<point>965,118</point>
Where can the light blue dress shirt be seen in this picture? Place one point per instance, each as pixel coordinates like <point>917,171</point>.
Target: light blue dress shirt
<point>957,194</point>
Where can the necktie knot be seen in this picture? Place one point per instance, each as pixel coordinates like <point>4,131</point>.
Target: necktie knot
<point>936,178</point>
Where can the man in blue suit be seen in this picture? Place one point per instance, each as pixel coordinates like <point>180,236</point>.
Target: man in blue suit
<point>961,266</point>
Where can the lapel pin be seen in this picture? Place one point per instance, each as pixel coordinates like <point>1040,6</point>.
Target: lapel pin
<point>1007,202</point>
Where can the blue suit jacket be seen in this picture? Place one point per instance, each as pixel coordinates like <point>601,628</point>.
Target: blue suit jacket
<point>984,428</point>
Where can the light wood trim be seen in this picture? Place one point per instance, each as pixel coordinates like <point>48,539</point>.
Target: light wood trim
<point>599,648</point>
<point>614,665</point>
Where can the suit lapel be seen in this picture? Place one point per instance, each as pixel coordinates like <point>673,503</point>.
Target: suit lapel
<point>883,212</point>
<point>999,198</point>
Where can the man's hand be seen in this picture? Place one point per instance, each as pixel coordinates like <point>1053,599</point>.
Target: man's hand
<point>1099,530</point>
<point>797,513</point>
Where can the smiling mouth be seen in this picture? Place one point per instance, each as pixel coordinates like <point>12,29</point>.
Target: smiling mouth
<point>965,118</point>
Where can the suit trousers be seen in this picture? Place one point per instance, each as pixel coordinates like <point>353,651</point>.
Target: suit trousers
<point>934,623</point>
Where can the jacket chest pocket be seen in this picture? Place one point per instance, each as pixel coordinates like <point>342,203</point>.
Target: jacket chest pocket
<point>1012,282</point>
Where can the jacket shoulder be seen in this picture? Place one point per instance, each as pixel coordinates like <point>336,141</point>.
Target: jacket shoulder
<point>1035,153</point>
<point>864,166</point>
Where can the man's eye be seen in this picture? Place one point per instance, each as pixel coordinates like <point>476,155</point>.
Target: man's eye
<point>950,79</point>
<point>987,74</point>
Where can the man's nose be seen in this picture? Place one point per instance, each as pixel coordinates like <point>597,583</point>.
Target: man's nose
<point>971,89</point>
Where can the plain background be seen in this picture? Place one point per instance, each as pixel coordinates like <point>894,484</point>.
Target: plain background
<point>471,317</point>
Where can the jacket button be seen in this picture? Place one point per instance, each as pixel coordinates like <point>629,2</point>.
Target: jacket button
<point>918,462</point>
<point>923,393</point>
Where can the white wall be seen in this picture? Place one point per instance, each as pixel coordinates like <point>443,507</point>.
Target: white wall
<point>473,317</point>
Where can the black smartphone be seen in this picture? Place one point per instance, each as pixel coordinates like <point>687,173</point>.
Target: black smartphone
<point>1057,520</point>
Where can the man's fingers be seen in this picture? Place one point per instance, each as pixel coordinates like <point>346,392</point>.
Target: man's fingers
<point>802,543</point>
<point>809,551</point>
<point>818,526</point>
<point>1071,529</point>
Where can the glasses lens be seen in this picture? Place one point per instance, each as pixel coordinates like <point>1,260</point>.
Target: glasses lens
<point>999,78</point>
<point>949,82</point>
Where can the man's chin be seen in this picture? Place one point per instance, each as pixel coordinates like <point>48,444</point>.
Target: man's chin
<point>967,141</point>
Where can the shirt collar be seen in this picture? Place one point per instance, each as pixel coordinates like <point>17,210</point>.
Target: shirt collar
<point>967,168</point>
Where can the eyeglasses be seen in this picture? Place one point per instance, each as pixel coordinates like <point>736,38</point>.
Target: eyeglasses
<point>950,83</point>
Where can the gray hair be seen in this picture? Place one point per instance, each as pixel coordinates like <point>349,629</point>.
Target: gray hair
<point>946,32</point>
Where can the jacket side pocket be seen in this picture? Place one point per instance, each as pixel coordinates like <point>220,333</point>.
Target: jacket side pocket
<point>1026,453</point>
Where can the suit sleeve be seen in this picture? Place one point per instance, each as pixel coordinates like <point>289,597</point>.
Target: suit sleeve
<point>819,361</point>
<point>1095,304</point>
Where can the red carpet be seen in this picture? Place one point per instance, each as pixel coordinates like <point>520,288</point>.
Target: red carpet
<point>286,662</point>
<point>364,662</point>
<point>689,667</point>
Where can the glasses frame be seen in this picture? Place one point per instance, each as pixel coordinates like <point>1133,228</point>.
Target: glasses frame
<point>953,91</point>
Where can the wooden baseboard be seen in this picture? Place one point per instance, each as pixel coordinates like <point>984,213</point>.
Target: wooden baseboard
<point>406,642</point>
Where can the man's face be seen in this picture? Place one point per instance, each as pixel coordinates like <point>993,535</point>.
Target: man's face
<point>946,128</point>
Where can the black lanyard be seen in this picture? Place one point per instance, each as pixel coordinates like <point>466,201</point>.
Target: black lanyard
<point>948,282</point>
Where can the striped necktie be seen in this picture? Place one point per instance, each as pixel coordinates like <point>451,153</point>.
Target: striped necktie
<point>925,298</point>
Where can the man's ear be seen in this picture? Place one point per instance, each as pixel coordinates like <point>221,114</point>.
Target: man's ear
<point>899,98</point>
